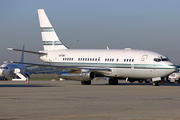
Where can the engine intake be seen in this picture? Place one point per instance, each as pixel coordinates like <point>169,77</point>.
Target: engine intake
<point>84,76</point>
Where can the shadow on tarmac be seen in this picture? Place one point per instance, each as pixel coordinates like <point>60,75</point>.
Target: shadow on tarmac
<point>145,84</point>
<point>26,85</point>
<point>95,84</point>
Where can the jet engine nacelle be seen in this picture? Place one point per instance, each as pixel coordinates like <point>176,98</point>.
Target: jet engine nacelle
<point>84,76</point>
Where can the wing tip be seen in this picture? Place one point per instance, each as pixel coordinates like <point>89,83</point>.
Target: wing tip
<point>10,48</point>
<point>8,62</point>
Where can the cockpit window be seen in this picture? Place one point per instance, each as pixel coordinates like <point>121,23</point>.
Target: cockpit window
<point>4,67</point>
<point>157,59</point>
<point>164,59</point>
<point>161,59</point>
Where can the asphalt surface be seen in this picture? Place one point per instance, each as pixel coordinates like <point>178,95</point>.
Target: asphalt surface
<point>51,100</point>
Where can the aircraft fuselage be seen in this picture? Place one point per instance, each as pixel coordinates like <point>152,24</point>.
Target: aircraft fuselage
<point>123,63</point>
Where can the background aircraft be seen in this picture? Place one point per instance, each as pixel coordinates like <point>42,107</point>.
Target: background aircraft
<point>16,71</point>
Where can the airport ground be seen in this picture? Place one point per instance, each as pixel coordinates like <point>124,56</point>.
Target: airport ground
<point>45,100</point>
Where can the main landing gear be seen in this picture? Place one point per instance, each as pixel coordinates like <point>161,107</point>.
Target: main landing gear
<point>155,84</point>
<point>113,81</point>
<point>3,78</point>
<point>86,82</point>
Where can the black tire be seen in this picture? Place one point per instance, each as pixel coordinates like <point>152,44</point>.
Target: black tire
<point>140,81</point>
<point>86,82</point>
<point>110,81</point>
<point>113,81</point>
<point>155,84</point>
<point>147,81</point>
<point>4,78</point>
<point>131,81</point>
<point>116,82</point>
<point>178,81</point>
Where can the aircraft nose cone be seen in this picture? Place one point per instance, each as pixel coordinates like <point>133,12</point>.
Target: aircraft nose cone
<point>173,67</point>
<point>1,72</point>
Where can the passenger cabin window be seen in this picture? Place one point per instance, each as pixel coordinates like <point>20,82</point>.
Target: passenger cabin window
<point>88,59</point>
<point>67,59</point>
<point>108,59</point>
<point>128,60</point>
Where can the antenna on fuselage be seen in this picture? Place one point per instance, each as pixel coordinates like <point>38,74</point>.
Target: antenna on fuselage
<point>107,47</point>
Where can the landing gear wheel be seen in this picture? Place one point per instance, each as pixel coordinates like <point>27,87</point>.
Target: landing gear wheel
<point>4,78</point>
<point>140,81</point>
<point>155,84</point>
<point>86,82</point>
<point>113,81</point>
<point>146,81</point>
<point>131,81</point>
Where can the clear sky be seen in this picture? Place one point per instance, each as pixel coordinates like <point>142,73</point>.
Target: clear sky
<point>140,24</point>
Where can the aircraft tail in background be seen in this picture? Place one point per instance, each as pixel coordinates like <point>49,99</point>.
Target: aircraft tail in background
<point>22,55</point>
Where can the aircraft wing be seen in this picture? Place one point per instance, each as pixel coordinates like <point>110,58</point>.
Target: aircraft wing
<point>100,71</point>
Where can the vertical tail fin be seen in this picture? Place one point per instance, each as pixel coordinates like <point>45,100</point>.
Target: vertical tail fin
<point>49,37</point>
<point>22,55</point>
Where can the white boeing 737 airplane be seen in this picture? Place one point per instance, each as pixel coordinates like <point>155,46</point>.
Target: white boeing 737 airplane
<point>14,70</point>
<point>85,64</point>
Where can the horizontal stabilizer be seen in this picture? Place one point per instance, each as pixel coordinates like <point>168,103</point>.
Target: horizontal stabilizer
<point>39,53</point>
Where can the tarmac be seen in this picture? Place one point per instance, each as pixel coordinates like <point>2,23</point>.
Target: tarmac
<point>67,100</point>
